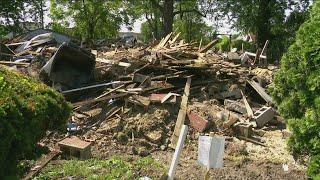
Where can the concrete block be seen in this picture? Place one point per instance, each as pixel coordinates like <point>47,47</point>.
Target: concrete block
<point>76,147</point>
<point>243,129</point>
<point>235,93</point>
<point>263,115</point>
<point>235,106</point>
<point>197,122</point>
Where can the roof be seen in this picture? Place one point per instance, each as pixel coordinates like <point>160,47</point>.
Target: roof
<point>58,35</point>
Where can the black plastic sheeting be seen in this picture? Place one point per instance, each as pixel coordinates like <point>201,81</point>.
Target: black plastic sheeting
<point>70,67</point>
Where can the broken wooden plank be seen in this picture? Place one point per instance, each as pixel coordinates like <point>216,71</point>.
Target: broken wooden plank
<point>112,90</point>
<point>164,41</point>
<point>260,90</point>
<point>14,63</point>
<point>168,56</point>
<point>251,140</point>
<point>144,66</point>
<point>254,55</point>
<point>139,100</point>
<point>166,97</point>
<point>264,47</point>
<point>158,97</point>
<point>113,111</point>
<point>208,46</point>
<point>43,162</point>
<point>90,87</point>
<point>182,114</point>
<point>175,38</point>
<point>248,108</point>
<point>81,103</point>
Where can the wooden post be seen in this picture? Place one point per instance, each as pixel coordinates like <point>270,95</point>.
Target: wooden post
<point>177,152</point>
<point>182,114</point>
<point>200,44</point>
<point>230,37</point>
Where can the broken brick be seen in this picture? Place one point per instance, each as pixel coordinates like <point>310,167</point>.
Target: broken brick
<point>197,122</point>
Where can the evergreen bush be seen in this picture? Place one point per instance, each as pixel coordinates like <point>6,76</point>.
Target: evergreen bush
<point>27,109</point>
<point>296,91</point>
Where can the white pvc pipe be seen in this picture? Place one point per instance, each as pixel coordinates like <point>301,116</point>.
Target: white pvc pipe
<point>177,152</point>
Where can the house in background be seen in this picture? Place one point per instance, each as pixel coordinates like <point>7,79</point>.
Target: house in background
<point>129,34</point>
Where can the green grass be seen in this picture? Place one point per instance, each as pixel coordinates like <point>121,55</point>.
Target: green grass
<point>114,168</point>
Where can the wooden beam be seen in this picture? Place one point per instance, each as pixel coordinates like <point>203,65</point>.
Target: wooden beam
<point>251,140</point>
<point>208,46</point>
<point>112,90</point>
<point>248,108</point>
<point>81,103</point>
<point>260,90</point>
<point>164,41</point>
<point>182,114</point>
<point>90,87</point>
<point>14,63</point>
<point>43,162</point>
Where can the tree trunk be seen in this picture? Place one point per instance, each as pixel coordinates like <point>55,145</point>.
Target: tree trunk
<point>263,22</point>
<point>168,16</point>
<point>42,13</point>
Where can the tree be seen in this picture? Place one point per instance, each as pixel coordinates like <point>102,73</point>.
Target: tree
<point>13,14</point>
<point>193,28</point>
<point>264,18</point>
<point>164,11</point>
<point>296,91</point>
<point>153,28</point>
<point>92,18</point>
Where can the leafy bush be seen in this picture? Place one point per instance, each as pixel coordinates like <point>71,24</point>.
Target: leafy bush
<point>224,44</point>
<point>297,91</point>
<point>27,109</point>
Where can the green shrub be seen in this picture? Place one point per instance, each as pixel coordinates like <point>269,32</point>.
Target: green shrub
<point>27,109</point>
<point>224,44</point>
<point>297,91</point>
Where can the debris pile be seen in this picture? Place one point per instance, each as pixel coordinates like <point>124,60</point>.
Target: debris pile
<point>141,96</point>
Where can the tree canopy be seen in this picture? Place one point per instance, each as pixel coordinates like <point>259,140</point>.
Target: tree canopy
<point>92,19</point>
<point>273,20</point>
<point>14,13</point>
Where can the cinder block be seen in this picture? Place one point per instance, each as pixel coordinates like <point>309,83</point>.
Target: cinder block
<point>197,122</point>
<point>243,129</point>
<point>76,147</point>
<point>263,115</point>
<point>235,106</point>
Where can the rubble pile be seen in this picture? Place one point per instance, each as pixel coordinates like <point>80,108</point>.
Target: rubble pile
<point>132,96</point>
